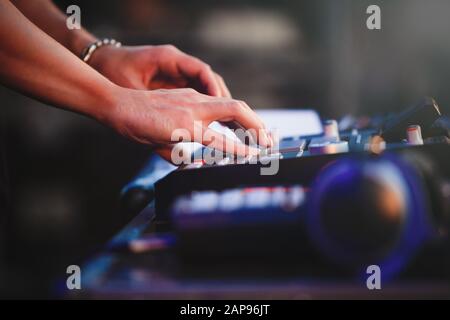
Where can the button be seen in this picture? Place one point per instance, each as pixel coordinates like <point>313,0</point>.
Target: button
<point>272,157</point>
<point>246,159</point>
<point>224,161</point>
<point>182,205</point>
<point>278,197</point>
<point>414,135</point>
<point>294,198</point>
<point>204,201</point>
<point>257,198</point>
<point>264,152</point>
<point>194,165</point>
<point>241,160</point>
<point>231,200</point>
<point>330,129</point>
<point>425,113</point>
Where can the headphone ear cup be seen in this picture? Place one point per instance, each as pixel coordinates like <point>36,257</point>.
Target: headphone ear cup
<point>368,210</point>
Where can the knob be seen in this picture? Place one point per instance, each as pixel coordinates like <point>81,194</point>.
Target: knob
<point>330,129</point>
<point>414,135</point>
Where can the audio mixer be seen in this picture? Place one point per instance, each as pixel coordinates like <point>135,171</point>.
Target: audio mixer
<point>365,191</point>
<point>362,191</point>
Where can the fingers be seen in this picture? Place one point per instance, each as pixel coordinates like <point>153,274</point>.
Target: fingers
<point>233,125</point>
<point>212,139</point>
<point>223,88</point>
<point>194,68</point>
<point>219,141</point>
<point>165,152</point>
<point>240,112</point>
<point>176,154</point>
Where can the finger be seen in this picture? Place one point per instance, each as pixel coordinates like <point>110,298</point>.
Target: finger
<point>223,87</point>
<point>240,112</point>
<point>196,69</point>
<point>264,138</point>
<point>235,126</point>
<point>165,152</point>
<point>216,140</point>
<point>176,154</point>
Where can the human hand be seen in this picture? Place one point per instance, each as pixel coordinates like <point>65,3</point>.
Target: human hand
<point>157,67</point>
<point>151,117</point>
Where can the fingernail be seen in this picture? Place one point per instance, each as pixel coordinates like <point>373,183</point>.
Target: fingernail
<point>265,139</point>
<point>271,140</point>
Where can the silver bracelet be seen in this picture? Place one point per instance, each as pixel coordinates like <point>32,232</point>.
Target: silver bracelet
<point>90,49</point>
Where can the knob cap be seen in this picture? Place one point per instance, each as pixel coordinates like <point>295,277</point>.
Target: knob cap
<point>414,135</point>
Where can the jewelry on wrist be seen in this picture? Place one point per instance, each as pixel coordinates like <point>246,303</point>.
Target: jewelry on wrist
<point>90,49</point>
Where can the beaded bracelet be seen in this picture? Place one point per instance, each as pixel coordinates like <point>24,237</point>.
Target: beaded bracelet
<point>90,49</point>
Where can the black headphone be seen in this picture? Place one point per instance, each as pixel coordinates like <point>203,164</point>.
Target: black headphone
<point>377,210</point>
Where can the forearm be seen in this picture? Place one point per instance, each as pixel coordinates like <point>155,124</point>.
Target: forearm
<point>52,21</point>
<point>37,65</point>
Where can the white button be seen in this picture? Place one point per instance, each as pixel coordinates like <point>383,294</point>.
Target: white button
<point>257,198</point>
<point>264,151</point>
<point>269,158</point>
<point>295,198</point>
<point>278,196</point>
<point>330,129</point>
<point>241,160</point>
<point>204,201</point>
<point>194,165</point>
<point>231,200</point>
<point>182,205</point>
<point>414,135</point>
<point>224,161</point>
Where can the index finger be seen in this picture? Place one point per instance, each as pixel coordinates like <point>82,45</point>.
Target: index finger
<point>240,116</point>
<point>216,140</point>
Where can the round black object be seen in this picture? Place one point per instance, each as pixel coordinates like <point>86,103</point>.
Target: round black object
<point>366,210</point>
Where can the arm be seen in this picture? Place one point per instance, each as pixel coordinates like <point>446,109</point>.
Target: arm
<point>144,67</point>
<point>37,65</point>
<point>47,16</point>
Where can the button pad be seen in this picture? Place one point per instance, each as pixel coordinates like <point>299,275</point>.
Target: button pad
<point>286,199</point>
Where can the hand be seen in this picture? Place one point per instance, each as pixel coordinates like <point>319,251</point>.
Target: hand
<point>157,67</point>
<point>151,117</point>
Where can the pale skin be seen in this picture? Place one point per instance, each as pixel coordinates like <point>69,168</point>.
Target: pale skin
<point>143,93</point>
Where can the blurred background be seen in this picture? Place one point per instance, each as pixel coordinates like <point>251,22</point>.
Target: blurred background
<point>66,171</point>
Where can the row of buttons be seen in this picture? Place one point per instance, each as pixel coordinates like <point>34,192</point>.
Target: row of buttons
<point>286,149</point>
<point>285,198</point>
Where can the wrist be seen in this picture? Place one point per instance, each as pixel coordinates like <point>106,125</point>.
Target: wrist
<point>107,101</point>
<point>96,46</point>
<point>102,58</point>
<point>79,40</point>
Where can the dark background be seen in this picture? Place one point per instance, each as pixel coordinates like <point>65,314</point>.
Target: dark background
<point>66,171</point>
